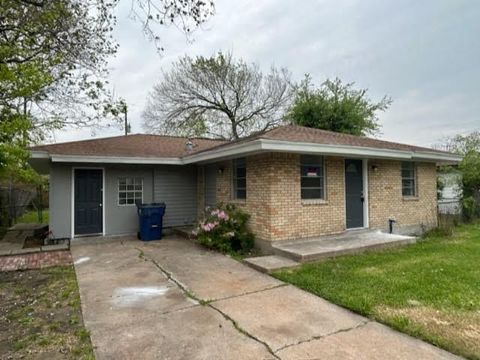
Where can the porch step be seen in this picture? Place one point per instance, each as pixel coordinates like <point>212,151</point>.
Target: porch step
<point>270,263</point>
<point>332,246</point>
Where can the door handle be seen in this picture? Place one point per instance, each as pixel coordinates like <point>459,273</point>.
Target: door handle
<point>100,205</point>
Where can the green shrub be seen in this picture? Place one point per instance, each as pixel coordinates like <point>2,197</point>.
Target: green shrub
<point>470,208</point>
<point>224,228</point>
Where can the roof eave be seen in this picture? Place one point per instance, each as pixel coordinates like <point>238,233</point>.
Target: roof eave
<point>116,159</point>
<point>61,158</point>
<point>259,146</point>
<point>269,145</point>
<point>439,158</point>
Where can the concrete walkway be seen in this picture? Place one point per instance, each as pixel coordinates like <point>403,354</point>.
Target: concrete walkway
<point>171,299</point>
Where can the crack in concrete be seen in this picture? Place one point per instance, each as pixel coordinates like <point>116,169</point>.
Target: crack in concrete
<point>208,304</point>
<point>249,292</point>
<point>243,331</point>
<point>357,326</point>
<point>170,277</point>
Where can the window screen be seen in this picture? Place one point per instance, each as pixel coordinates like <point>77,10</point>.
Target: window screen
<point>312,177</point>
<point>409,186</point>
<point>239,179</point>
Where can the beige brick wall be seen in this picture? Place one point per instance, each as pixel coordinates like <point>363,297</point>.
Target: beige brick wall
<point>278,212</point>
<point>386,200</point>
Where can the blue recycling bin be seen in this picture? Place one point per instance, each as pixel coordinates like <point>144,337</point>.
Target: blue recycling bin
<point>150,218</point>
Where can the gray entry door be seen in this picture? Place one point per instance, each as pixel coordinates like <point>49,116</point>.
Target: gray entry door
<point>210,185</point>
<point>88,201</point>
<point>354,193</point>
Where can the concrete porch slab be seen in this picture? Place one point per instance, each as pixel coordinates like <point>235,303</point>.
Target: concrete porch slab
<point>270,263</point>
<point>350,242</point>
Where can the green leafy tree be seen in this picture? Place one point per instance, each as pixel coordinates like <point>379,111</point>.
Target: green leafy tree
<point>53,63</point>
<point>217,96</point>
<point>469,147</point>
<point>336,106</point>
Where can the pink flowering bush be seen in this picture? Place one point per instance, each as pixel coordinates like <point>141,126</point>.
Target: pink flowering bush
<point>224,228</point>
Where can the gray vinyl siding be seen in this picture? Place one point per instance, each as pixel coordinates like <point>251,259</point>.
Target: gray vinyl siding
<point>210,185</point>
<point>60,200</point>
<point>123,219</point>
<point>177,187</point>
<point>174,185</point>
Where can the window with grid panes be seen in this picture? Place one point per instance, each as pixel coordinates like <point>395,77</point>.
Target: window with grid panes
<point>130,190</point>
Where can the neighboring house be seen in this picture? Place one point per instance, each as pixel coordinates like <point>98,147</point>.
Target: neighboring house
<point>449,201</point>
<point>295,182</point>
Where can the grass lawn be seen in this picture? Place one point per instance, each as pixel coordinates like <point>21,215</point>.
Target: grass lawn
<point>40,315</point>
<point>32,217</point>
<point>430,290</point>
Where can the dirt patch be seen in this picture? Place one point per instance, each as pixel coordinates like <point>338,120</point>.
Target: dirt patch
<point>460,330</point>
<point>40,316</point>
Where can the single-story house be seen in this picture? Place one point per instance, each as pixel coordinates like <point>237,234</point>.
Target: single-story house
<point>295,182</point>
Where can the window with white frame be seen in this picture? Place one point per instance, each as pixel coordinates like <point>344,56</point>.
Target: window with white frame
<point>130,190</point>
<point>239,179</point>
<point>409,179</point>
<point>312,177</point>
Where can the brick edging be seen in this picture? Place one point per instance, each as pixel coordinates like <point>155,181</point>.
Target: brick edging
<point>35,250</point>
<point>36,260</point>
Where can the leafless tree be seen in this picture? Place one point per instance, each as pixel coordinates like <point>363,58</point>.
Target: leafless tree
<point>217,97</point>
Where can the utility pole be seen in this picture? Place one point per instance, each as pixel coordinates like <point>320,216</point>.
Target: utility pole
<point>124,109</point>
<point>126,122</point>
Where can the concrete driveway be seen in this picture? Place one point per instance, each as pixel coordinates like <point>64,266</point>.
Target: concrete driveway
<point>171,299</point>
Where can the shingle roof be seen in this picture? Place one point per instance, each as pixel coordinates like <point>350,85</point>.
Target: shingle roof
<point>301,134</point>
<point>135,145</point>
<point>157,146</point>
<point>310,135</point>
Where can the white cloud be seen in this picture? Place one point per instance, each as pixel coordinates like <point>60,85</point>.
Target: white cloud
<point>416,119</point>
<point>423,54</point>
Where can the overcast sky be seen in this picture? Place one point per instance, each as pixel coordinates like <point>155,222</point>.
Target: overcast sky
<point>424,54</point>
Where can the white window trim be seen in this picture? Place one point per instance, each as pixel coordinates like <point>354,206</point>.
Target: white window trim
<point>127,191</point>
<point>322,199</point>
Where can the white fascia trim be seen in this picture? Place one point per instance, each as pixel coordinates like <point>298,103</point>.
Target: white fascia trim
<point>326,149</point>
<point>428,156</point>
<point>233,150</point>
<point>39,154</point>
<point>344,150</point>
<point>265,145</point>
<point>114,160</point>
<point>256,146</point>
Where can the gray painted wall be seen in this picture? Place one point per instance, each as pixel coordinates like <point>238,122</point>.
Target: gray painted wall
<point>122,219</point>
<point>175,185</point>
<point>60,200</point>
